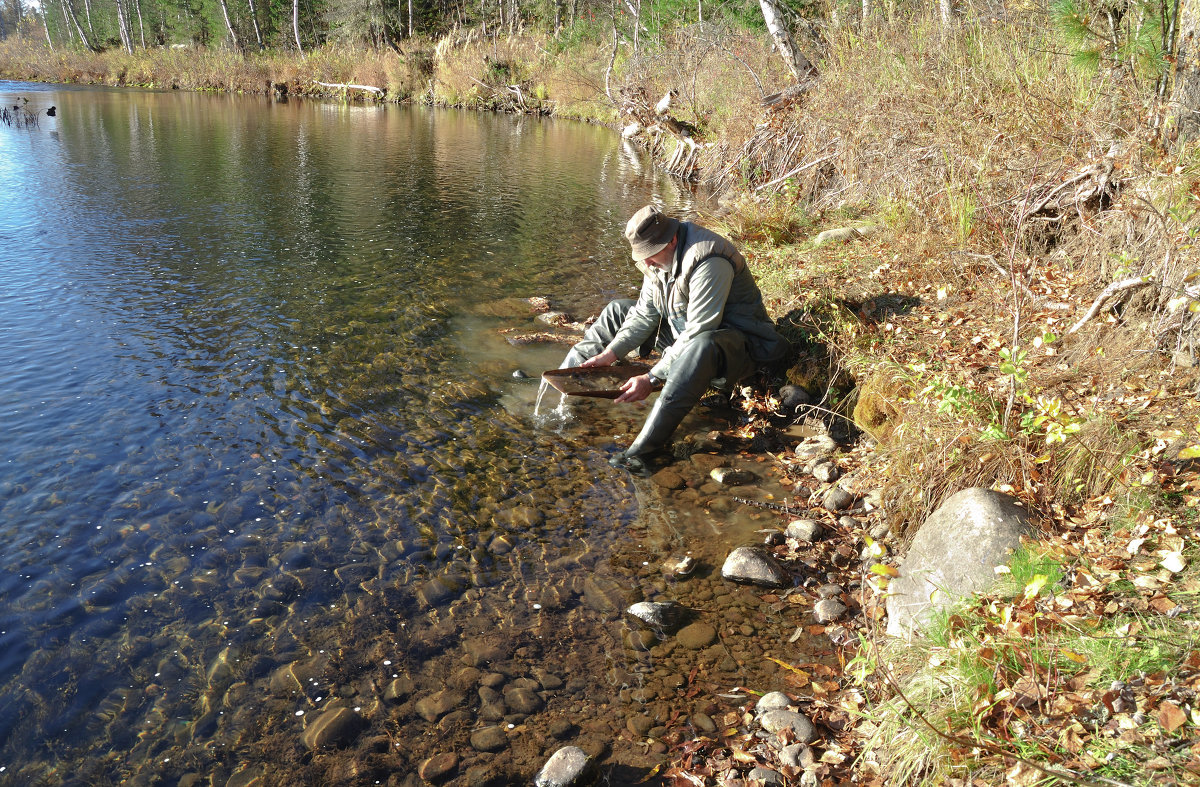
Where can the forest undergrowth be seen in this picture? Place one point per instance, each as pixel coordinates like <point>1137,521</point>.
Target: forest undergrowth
<point>1012,302</point>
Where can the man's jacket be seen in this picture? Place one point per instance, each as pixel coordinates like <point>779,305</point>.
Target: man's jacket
<point>707,287</point>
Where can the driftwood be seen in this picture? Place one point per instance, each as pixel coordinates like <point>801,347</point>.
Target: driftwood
<point>346,86</point>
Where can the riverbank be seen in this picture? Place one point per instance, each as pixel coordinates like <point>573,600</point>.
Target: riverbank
<point>991,193</point>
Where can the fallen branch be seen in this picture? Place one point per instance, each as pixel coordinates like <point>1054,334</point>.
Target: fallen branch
<point>796,171</point>
<point>346,86</point>
<point>1109,291</point>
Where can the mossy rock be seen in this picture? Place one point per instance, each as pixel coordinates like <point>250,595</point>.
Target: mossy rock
<point>877,410</point>
<point>809,373</point>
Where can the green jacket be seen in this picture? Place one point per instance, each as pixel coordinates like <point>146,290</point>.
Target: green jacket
<point>708,287</point>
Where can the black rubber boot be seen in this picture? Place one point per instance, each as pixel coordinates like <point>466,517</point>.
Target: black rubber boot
<point>710,355</point>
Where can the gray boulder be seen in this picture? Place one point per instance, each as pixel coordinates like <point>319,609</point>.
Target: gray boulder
<point>775,721</point>
<point>755,566</point>
<point>954,554</point>
<point>567,767</point>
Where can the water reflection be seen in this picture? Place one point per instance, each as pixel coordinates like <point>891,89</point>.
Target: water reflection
<point>265,459</point>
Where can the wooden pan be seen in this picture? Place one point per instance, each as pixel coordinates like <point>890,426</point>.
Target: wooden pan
<point>598,381</point>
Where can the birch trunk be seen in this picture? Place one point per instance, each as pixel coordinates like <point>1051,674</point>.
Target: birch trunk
<point>123,25</point>
<point>796,62</point>
<point>46,27</point>
<point>1184,114</point>
<point>296,24</point>
<point>137,6</point>
<point>254,19</point>
<point>410,18</point>
<point>87,11</point>
<point>947,9</point>
<point>237,45</point>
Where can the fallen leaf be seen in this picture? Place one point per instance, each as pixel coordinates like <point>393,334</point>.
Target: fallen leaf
<point>1170,717</point>
<point>1173,562</point>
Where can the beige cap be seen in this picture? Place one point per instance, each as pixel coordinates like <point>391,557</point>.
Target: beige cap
<point>649,232</point>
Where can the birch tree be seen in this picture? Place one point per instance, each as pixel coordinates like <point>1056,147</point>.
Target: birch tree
<point>796,62</point>
<point>296,24</point>
<point>254,18</point>
<point>237,45</point>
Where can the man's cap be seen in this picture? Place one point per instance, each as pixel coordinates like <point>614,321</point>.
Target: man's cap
<point>649,232</point>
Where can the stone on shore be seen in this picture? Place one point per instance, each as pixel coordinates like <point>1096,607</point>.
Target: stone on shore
<point>806,531</point>
<point>774,721</point>
<point>954,553</point>
<point>837,498</point>
<point>567,767</point>
<point>828,610</point>
<point>755,566</point>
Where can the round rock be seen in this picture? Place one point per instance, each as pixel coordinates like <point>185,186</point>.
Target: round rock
<point>661,615</point>
<point>730,476</point>
<point>828,610</point>
<point>489,739</point>
<point>837,499</point>
<point>696,636</point>
<point>774,721</point>
<point>438,767</point>
<point>336,727</point>
<point>805,530</point>
<point>772,700</point>
<point>755,566</point>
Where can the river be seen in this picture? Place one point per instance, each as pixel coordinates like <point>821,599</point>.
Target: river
<point>264,458</point>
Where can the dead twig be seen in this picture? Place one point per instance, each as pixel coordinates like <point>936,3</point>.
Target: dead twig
<point>1109,291</point>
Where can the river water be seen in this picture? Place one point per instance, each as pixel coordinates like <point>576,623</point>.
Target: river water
<point>264,463</point>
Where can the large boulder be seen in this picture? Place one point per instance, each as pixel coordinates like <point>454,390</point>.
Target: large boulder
<point>954,554</point>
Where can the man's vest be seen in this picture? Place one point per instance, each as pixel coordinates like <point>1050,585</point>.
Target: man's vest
<point>744,309</point>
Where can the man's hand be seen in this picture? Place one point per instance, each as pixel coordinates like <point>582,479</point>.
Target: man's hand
<point>635,389</point>
<point>606,358</point>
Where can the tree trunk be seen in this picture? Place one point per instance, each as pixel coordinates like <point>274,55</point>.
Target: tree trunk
<point>46,27</point>
<point>1184,115</point>
<point>237,45</point>
<point>296,24</point>
<point>254,19</point>
<point>947,9</point>
<point>796,62</point>
<point>123,25</point>
<point>410,18</point>
<point>87,12</point>
<point>137,5</point>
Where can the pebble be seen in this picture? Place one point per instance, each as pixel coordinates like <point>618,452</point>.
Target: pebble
<point>520,374</point>
<point>766,776</point>
<point>703,723</point>
<point>696,636</point>
<point>522,700</point>
<point>489,739</point>
<point>336,727</point>
<point>837,499</point>
<point>639,725</point>
<point>772,700</point>
<point>792,397</point>
<point>661,615</point>
<point>797,755</point>
<point>730,476</point>
<point>668,478</point>
<point>805,530</point>
<point>826,472</point>
<point>399,690</point>
<point>774,721</point>
<point>434,706</point>
<point>565,768</point>
<point>828,610</point>
<point>438,767</point>
<point>818,445</point>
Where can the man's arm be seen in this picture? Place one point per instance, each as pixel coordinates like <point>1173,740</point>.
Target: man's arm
<point>639,325</point>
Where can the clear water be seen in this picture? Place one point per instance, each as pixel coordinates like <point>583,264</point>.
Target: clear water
<point>262,453</point>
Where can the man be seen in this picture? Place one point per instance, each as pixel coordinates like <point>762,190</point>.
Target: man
<point>700,306</point>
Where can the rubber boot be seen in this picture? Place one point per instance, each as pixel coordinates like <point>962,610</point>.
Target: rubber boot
<point>713,354</point>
